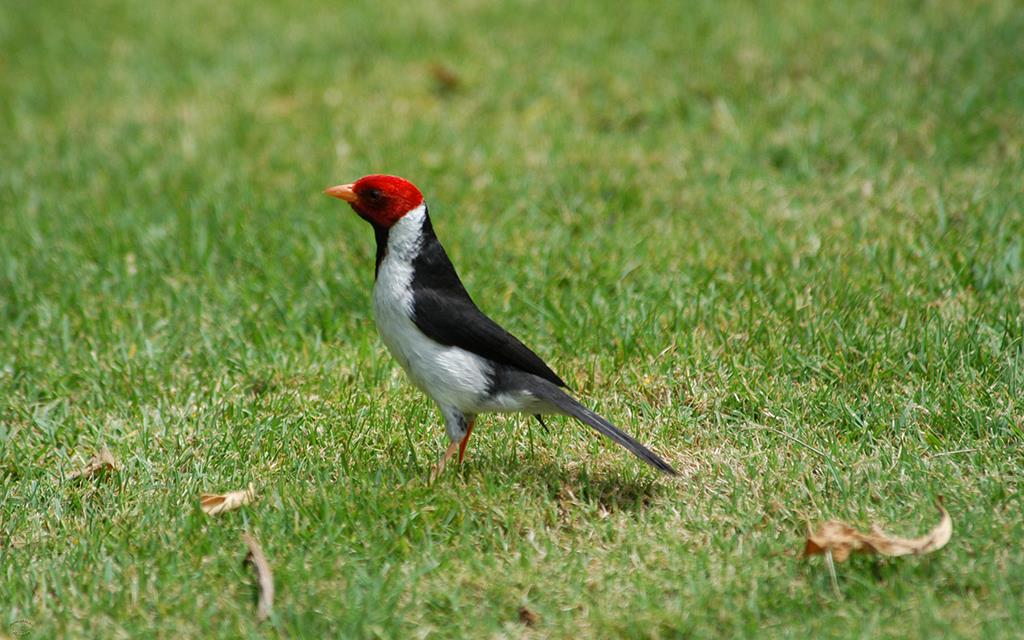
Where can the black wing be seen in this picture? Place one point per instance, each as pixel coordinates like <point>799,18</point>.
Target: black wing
<point>443,310</point>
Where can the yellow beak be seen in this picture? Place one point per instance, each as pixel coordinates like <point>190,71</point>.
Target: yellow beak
<point>342,191</point>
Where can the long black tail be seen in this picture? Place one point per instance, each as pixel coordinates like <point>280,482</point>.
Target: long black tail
<point>573,408</point>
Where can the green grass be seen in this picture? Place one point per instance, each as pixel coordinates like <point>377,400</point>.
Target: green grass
<point>784,245</point>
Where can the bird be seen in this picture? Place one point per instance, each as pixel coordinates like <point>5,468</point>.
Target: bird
<point>458,356</point>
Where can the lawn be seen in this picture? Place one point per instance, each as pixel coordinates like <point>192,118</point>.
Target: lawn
<point>783,244</point>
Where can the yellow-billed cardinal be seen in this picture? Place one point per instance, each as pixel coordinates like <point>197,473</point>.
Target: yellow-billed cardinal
<point>458,356</point>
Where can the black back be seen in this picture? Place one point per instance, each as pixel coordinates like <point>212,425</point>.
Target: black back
<point>443,310</point>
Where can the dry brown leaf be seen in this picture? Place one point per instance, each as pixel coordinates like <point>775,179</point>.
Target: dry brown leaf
<point>214,503</point>
<point>528,617</point>
<point>264,578</point>
<point>842,539</point>
<point>445,78</point>
<point>99,464</point>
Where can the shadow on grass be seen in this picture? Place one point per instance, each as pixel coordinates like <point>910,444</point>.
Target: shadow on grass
<point>595,486</point>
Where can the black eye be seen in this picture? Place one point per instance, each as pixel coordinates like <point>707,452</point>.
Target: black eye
<point>374,195</point>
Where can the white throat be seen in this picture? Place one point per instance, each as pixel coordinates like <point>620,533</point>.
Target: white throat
<point>406,235</point>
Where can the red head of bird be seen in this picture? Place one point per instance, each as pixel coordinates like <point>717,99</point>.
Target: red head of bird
<point>379,199</point>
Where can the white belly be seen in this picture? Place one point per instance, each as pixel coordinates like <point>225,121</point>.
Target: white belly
<point>453,377</point>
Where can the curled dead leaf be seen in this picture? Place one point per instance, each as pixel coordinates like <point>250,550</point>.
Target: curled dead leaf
<point>99,464</point>
<point>264,578</point>
<point>528,617</point>
<point>215,503</point>
<point>842,539</point>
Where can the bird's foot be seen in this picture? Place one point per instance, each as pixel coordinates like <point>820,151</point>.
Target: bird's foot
<point>450,451</point>
<point>439,467</point>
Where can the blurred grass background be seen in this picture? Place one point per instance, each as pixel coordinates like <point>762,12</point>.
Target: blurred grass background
<point>780,243</point>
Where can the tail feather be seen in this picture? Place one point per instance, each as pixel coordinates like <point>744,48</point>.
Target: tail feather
<point>606,428</point>
<point>573,408</point>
